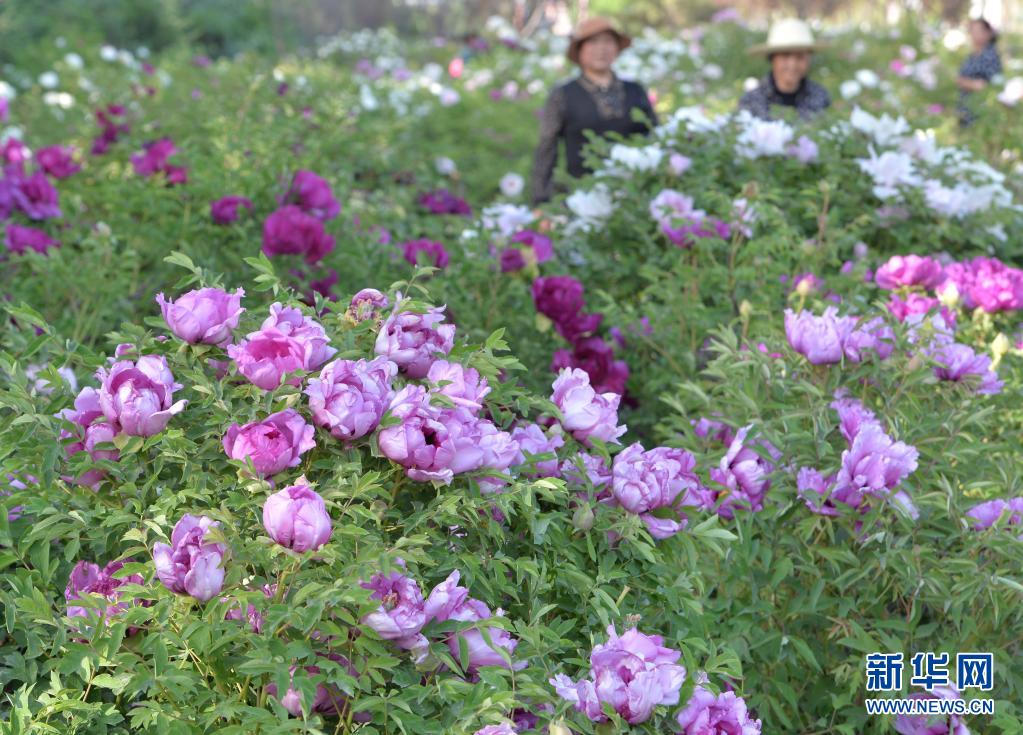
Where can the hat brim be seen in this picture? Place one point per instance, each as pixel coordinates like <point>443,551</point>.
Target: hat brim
<point>763,49</point>
<point>624,41</point>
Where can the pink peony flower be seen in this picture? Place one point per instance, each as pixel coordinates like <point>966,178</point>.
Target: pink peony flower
<point>273,444</point>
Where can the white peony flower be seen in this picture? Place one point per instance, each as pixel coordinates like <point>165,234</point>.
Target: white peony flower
<point>49,80</point>
<point>507,219</point>
<point>512,184</point>
<point>763,138</point>
<point>850,88</point>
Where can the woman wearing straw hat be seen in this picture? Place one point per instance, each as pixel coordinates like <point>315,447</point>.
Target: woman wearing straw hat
<point>790,44</point>
<point>597,100</point>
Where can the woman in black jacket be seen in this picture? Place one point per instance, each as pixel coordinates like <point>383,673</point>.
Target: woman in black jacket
<point>597,100</point>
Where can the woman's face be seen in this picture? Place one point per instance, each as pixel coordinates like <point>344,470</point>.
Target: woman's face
<point>789,69</point>
<point>597,53</point>
<point>980,36</point>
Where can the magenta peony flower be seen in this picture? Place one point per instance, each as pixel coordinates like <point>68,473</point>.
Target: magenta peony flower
<point>512,260</point>
<point>366,304</point>
<point>916,303</point>
<point>90,579</point>
<point>402,611</point>
<point>531,441</point>
<point>273,444</point>
<point>290,231</point>
<point>633,673</point>
<point>139,396</point>
<point>584,412</point>
<point>111,121</point>
<point>722,714</point>
<point>297,518</point>
<point>959,363</point>
<point>305,330</point>
<point>35,196</point>
<point>448,601</point>
<point>442,201</point>
<point>744,475</point>
<point>538,247</point>
<point>411,340</point>
<point>207,315</point>
<point>90,430</point>
<point>19,239</point>
<point>349,397</point>
<point>313,196</point>
<point>154,157</point>
<point>560,299</point>
<point>909,270</point>
<point>58,161</point>
<point>224,211</point>
<point>422,252</point>
<point>191,565</point>
<point>663,478</point>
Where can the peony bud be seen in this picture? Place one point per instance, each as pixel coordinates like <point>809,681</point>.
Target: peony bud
<point>297,518</point>
<point>582,519</point>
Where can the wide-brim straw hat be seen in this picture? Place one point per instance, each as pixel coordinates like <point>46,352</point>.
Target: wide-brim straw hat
<point>588,29</point>
<point>789,34</point>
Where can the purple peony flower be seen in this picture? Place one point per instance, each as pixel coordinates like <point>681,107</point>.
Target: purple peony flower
<point>425,252</point>
<point>531,441</point>
<point>633,673</point>
<point>560,299</point>
<point>349,397</point>
<point>986,514</point>
<point>959,363</point>
<point>502,729</point>
<point>273,444</point>
<point>722,714</point>
<point>538,248</point>
<point>916,303</point>
<point>224,211</point>
<point>268,355</point>
<point>874,464</point>
<point>411,340</point>
<point>663,478</point>
<point>296,518</point>
<point>442,201</point>
<point>826,339</point>
<point>138,396</point>
<point>909,270</point>
<point>305,330</point>
<point>35,196</point>
<point>596,357</point>
<point>206,315</point>
<point>448,601</point>
<point>313,196</point>
<point>88,578</point>
<point>462,385</point>
<point>58,161</point>
<point>328,698</point>
<point>512,260</point>
<point>852,415</point>
<point>290,231</point>
<point>402,611</point>
<point>744,475</point>
<point>803,150</point>
<point>366,304</point>
<point>191,565</point>
<point>155,159</point>
<point>19,239</point>
<point>584,412</point>
<point>90,430</point>
<point>712,429</point>
<point>932,724</point>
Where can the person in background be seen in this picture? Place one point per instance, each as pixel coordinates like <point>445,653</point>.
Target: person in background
<point>597,100</point>
<point>789,49</point>
<point>981,66</point>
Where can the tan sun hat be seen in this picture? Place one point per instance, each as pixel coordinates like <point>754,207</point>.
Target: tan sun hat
<point>788,34</point>
<point>588,29</point>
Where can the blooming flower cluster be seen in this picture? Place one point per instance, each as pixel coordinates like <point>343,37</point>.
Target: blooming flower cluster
<point>827,339</point>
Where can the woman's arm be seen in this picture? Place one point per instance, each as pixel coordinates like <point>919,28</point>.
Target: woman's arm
<point>970,85</point>
<point>552,123</point>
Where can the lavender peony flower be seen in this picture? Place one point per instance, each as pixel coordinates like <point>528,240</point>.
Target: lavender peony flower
<point>462,385</point>
<point>58,161</point>
<point>402,612</point>
<point>328,698</point>
<point>19,239</point>
<point>90,430</point>
<point>349,397</point>
<point>313,196</point>
<point>273,444</point>
<point>986,514</point>
<point>290,231</point>
<point>224,211</point>
<point>411,340</point>
<point>585,413</point>
<point>932,724</point>
<point>191,565</point>
<point>207,315</point>
<point>138,396</point>
<point>532,440</point>
<point>663,478</point>
<point>448,601</point>
<point>297,518</point>
<point>304,330</point>
<point>826,339</point>
<point>268,355</point>
<point>909,270</point>
<point>744,475</point>
<point>959,363</point>
<point>502,729</point>
<point>88,578</point>
<point>633,673</point>
<point>874,463</point>
<point>723,714</point>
